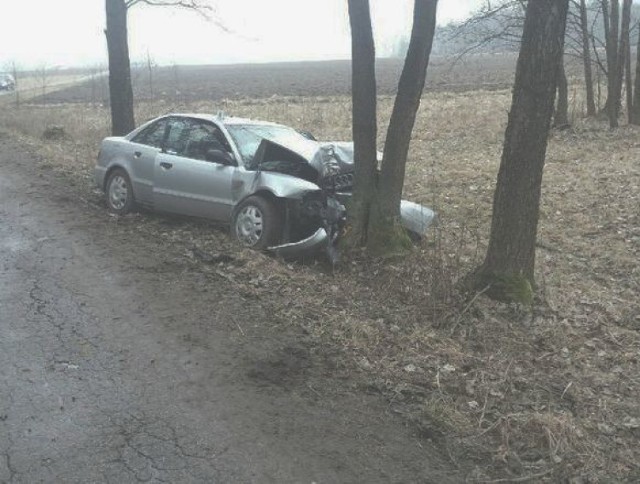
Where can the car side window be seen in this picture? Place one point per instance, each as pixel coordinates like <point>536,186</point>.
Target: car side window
<point>153,135</point>
<point>177,139</point>
<point>194,139</point>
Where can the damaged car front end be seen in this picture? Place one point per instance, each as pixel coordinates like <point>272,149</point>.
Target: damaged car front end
<point>315,217</point>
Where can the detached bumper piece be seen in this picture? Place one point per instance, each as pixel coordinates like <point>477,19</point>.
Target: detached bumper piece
<point>416,218</point>
<point>317,241</point>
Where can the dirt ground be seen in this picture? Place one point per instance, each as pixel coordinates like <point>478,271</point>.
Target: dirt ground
<point>509,394</point>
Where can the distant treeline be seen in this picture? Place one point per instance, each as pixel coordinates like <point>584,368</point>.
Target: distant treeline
<point>500,30</point>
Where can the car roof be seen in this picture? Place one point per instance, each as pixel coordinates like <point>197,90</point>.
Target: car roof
<point>223,119</point>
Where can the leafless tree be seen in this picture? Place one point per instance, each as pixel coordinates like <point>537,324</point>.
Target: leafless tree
<point>43,77</point>
<point>635,109</point>
<point>120,89</point>
<point>624,53</point>
<point>616,52</point>
<point>508,269</point>
<point>500,23</point>
<point>365,127</point>
<point>561,116</point>
<point>375,211</point>
<point>150,67</point>
<point>14,72</point>
<point>586,55</point>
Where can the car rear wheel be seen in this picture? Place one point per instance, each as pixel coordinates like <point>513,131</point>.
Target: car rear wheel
<point>257,223</point>
<point>119,192</point>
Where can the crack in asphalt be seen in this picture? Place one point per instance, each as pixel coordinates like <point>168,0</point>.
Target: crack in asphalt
<point>7,456</point>
<point>141,440</point>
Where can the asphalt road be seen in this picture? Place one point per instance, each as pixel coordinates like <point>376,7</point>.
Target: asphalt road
<point>118,363</point>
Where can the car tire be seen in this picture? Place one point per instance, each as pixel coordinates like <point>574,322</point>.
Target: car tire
<point>119,192</point>
<point>257,223</point>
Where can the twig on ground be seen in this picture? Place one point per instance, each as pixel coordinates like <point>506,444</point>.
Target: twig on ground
<point>528,478</point>
<point>468,306</point>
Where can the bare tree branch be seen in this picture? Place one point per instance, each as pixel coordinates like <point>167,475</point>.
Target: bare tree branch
<point>202,7</point>
<point>189,4</point>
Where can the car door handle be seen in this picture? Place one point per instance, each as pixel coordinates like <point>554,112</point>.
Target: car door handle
<point>165,165</point>
<point>137,154</point>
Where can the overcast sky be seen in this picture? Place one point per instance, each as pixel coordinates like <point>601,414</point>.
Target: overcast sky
<point>70,32</point>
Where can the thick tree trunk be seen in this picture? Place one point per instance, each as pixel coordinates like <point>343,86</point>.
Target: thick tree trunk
<point>586,57</point>
<point>364,120</point>
<point>120,91</point>
<point>635,117</point>
<point>561,118</point>
<point>614,80</point>
<point>385,234</point>
<point>508,269</point>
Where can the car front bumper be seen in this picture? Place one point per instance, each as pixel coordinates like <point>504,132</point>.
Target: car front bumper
<point>317,241</point>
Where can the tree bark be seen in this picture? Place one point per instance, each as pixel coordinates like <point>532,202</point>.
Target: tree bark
<point>561,118</point>
<point>364,102</point>
<point>386,234</point>
<point>120,90</point>
<point>635,117</point>
<point>586,57</point>
<point>628,76</point>
<point>614,80</point>
<point>508,268</point>
<point>607,40</point>
<point>624,55</point>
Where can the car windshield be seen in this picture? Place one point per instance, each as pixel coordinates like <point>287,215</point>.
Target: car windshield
<point>249,136</point>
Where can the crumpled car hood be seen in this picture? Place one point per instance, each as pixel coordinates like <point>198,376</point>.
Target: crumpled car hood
<point>326,157</point>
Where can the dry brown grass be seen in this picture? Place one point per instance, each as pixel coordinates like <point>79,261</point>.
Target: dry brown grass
<point>548,395</point>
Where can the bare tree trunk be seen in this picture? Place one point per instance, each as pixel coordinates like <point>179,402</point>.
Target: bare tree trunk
<point>561,118</point>
<point>635,118</point>
<point>120,91</point>
<point>508,269</point>
<point>624,54</point>
<point>586,57</point>
<point>364,120</point>
<point>17,85</point>
<point>44,75</point>
<point>628,76</point>
<point>150,72</point>
<point>607,39</point>
<point>615,82</point>
<point>385,232</point>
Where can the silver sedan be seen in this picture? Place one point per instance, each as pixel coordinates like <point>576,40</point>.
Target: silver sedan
<point>277,187</point>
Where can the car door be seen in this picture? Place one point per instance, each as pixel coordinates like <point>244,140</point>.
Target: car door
<point>143,149</point>
<point>185,181</point>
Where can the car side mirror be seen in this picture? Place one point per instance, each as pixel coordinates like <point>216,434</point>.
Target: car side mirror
<point>219,156</point>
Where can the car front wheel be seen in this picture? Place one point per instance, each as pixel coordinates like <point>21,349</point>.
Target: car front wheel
<point>119,192</point>
<point>257,223</point>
